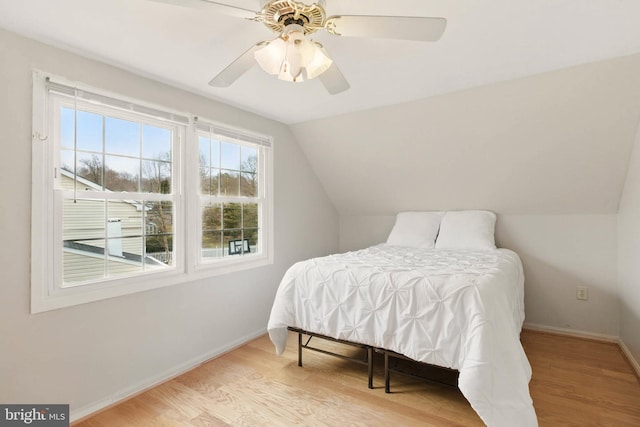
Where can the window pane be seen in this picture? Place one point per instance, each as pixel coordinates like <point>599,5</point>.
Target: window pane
<point>122,137</point>
<point>230,156</point>
<point>83,240</point>
<point>249,159</point>
<point>212,217</point>
<point>89,167</point>
<point>83,261</point>
<point>66,160</point>
<point>229,183</point>
<point>83,220</point>
<point>215,154</point>
<point>124,256</point>
<point>161,215</point>
<point>159,251</point>
<point>250,215</point>
<point>124,218</point>
<point>67,120</point>
<point>249,185</point>
<point>121,173</point>
<point>252,235</point>
<point>160,246</point>
<point>215,182</point>
<point>156,143</point>
<point>114,248</point>
<point>156,177</point>
<point>159,229</point>
<point>232,216</point>
<point>212,244</point>
<point>205,151</point>
<point>205,181</point>
<point>89,132</point>
<point>233,236</point>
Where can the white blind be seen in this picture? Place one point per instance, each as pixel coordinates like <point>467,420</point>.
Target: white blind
<point>232,133</point>
<point>73,92</point>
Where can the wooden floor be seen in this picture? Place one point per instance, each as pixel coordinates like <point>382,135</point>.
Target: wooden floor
<point>575,382</point>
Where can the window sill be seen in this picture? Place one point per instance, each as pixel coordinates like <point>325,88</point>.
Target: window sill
<point>41,301</point>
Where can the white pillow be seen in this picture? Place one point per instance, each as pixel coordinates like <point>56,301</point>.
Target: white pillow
<point>467,230</point>
<point>415,229</point>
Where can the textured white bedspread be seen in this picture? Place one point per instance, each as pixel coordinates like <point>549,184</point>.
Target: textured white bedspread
<point>452,308</point>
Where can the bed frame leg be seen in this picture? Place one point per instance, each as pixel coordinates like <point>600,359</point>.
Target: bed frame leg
<point>299,348</point>
<point>387,388</point>
<point>370,365</point>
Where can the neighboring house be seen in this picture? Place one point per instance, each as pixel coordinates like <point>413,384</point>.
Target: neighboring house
<point>85,236</point>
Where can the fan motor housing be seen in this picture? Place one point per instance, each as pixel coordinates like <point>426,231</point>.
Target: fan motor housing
<point>277,14</point>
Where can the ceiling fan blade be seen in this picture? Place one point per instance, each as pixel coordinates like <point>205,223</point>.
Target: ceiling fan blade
<point>387,27</point>
<point>223,8</point>
<point>333,80</point>
<point>237,68</point>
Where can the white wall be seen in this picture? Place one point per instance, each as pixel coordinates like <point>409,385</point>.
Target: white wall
<point>88,355</point>
<point>555,143</point>
<point>558,252</point>
<point>629,256</point>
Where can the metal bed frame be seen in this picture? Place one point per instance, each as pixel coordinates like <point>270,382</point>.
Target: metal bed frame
<point>388,354</point>
<point>368,358</point>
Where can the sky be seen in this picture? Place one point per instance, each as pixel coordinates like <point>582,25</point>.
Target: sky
<point>124,143</point>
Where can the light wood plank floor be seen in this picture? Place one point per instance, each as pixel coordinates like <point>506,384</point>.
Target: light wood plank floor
<point>576,382</point>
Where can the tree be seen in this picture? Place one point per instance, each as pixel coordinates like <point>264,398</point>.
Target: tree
<point>156,175</point>
<point>91,169</point>
<point>249,177</point>
<point>156,178</point>
<point>161,215</point>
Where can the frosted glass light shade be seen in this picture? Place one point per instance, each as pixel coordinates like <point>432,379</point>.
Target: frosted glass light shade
<point>292,55</point>
<point>320,62</point>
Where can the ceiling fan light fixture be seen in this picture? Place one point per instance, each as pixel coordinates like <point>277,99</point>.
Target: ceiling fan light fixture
<point>291,54</point>
<point>270,57</point>
<point>320,62</point>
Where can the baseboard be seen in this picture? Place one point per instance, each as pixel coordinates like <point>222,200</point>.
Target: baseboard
<point>572,333</point>
<point>142,386</point>
<point>632,361</point>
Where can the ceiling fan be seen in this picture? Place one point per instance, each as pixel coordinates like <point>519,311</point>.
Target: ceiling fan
<point>292,56</point>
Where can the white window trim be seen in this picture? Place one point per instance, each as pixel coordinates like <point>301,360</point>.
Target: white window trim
<point>188,269</point>
<point>229,264</point>
<point>56,286</point>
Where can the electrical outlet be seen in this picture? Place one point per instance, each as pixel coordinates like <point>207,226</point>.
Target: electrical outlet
<point>582,293</point>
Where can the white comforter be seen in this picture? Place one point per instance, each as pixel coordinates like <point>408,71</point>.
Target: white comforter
<point>452,308</point>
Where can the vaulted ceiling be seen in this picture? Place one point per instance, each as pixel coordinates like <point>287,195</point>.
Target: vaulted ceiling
<point>485,42</point>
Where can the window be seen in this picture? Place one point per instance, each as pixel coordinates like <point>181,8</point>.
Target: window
<point>113,196</point>
<point>115,179</point>
<point>232,193</point>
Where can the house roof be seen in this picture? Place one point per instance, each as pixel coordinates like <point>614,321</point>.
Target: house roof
<point>90,250</point>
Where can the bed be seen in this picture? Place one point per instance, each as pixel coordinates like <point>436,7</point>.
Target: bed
<point>458,308</point>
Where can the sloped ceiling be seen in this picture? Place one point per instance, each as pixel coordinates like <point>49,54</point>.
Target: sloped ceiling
<point>485,42</point>
<point>554,143</point>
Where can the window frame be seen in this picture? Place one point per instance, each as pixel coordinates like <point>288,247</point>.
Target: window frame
<point>263,145</point>
<point>56,102</point>
<point>46,211</point>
